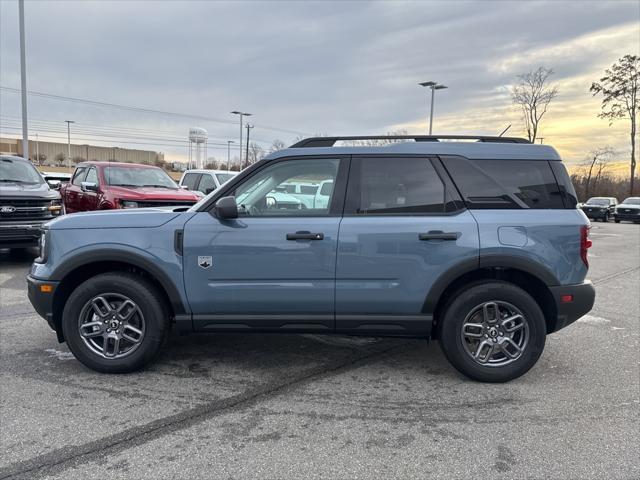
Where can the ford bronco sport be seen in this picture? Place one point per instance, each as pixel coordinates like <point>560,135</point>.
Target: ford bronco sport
<point>475,243</point>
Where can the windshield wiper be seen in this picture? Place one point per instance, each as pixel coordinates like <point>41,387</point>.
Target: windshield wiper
<point>124,185</point>
<point>154,185</point>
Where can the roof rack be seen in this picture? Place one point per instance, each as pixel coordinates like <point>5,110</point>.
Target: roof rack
<point>330,141</point>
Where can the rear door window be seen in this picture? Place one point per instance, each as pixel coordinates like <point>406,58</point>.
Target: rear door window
<point>382,185</point>
<point>499,184</point>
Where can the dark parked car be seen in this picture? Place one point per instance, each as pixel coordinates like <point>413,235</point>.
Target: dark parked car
<point>109,185</point>
<point>629,210</point>
<point>600,208</point>
<point>26,203</point>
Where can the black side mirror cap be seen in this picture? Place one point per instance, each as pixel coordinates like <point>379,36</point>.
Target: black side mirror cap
<point>226,208</point>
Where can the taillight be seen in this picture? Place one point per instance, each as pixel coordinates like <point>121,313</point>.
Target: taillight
<point>585,243</point>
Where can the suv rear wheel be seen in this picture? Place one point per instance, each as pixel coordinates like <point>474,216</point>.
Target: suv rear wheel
<point>115,322</point>
<point>492,331</point>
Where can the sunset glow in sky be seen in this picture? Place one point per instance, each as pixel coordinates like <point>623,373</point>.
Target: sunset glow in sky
<point>304,68</point>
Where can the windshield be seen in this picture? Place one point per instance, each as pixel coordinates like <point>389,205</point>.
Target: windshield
<point>18,171</point>
<point>597,201</point>
<point>632,201</point>
<point>224,177</point>
<point>138,177</point>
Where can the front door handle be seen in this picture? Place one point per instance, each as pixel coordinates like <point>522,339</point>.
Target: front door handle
<point>305,235</point>
<point>439,235</point>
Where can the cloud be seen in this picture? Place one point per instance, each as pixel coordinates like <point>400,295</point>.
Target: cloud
<point>325,67</point>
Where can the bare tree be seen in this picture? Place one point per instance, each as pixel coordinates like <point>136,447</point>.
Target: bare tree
<point>597,159</point>
<point>277,145</point>
<point>256,153</point>
<point>533,95</point>
<point>619,90</point>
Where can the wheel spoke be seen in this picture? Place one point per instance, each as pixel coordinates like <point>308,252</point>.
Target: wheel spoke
<point>487,348</point>
<point>509,348</point>
<point>91,329</point>
<point>126,310</point>
<point>111,346</point>
<point>101,307</point>
<point>490,312</point>
<point>132,334</point>
<point>513,323</point>
<point>473,330</point>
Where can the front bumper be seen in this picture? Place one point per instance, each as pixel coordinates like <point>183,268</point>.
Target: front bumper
<point>583,296</point>
<point>15,234</point>
<point>42,301</point>
<point>595,214</point>
<point>633,216</point>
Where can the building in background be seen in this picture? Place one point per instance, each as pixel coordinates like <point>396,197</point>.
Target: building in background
<point>55,154</point>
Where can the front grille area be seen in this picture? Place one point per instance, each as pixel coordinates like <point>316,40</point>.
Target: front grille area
<point>163,203</point>
<point>15,209</point>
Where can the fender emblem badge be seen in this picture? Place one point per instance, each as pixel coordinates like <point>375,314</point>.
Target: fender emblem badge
<point>205,262</point>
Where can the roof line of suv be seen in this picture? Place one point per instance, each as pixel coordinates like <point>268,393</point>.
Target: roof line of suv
<point>331,141</point>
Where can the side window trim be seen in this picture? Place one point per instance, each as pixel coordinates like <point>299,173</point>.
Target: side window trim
<point>352,199</point>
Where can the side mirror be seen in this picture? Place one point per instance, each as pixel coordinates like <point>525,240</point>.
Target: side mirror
<point>89,187</point>
<point>184,187</point>
<point>226,208</point>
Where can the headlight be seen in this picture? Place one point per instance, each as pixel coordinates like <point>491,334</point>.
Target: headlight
<point>128,204</point>
<point>44,247</point>
<point>55,207</point>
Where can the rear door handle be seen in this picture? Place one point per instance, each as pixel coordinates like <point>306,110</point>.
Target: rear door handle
<point>439,235</point>
<point>305,235</point>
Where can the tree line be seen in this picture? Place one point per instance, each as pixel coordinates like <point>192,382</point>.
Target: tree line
<point>618,90</point>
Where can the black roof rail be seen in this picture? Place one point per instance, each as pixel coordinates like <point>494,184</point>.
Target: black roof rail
<point>330,141</point>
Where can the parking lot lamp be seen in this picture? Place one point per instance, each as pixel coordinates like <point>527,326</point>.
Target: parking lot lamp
<point>229,142</point>
<point>69,122</point>
<point>433,86</point>
<point>242,114</point>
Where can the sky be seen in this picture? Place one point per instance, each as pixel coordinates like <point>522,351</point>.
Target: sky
<point>305,68</point>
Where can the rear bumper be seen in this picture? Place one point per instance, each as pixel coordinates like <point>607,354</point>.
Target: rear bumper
<point>42,302</point>
<point>14,234</point>
<point>583,296</point>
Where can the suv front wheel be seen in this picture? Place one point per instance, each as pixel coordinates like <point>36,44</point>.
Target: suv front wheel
<point>492,331</point>
<point>115,322</point>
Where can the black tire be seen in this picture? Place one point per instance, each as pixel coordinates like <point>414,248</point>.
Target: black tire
<point>467,300</point>
<point>616,220</point>
<point>149,302</point>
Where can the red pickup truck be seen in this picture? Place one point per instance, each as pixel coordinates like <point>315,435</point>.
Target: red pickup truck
<point>108,185</point>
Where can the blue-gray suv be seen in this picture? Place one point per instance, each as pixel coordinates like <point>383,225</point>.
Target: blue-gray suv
<point>474,241</point>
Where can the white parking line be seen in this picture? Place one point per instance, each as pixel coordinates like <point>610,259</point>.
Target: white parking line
<point>592,320</point>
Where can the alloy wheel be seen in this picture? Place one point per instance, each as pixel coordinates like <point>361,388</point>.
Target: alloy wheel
<point>111,325</point>
<point>495,334</point>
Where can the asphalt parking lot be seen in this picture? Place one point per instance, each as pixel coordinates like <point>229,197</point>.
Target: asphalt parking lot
<point>305,406</point>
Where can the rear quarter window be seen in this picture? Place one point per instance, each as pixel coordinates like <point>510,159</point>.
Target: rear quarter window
<point>506,184</point>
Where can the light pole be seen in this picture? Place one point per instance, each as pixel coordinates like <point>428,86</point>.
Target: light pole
<point>23,83</point>
<point>249,127</point>
<point>69,122</point>
<point>434,86</point>
<point>242,114</point>
<point>229,142</point>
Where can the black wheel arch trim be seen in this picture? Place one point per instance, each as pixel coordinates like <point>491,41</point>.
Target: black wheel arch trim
<point>115,255</point>
<point>488,261</point>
